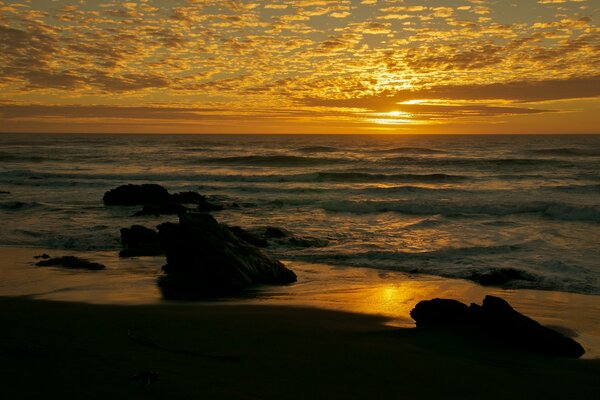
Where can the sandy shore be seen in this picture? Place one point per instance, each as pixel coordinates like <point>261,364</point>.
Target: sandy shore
<point>70,350</point>
<point>282,344</point>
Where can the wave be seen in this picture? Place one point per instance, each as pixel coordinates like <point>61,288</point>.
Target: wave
<point>480,162</point>
<point>273,161</point>
<point>18,177</point>
<point>17,205</point>
<point>567,151</point>
<point>477,263</point>
<point>410,150</point>
<point>553,210</point>
<point>592,188</point>
<point>318,149</point>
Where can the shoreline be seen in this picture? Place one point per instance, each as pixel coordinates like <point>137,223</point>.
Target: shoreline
<point>386,294</point>
<point>260,352</point>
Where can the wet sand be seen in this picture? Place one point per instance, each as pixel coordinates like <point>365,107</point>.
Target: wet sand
<point>281,344</point>
<point>71,350</point>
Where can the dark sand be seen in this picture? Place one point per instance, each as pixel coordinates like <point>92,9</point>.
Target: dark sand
<point>81,351</point>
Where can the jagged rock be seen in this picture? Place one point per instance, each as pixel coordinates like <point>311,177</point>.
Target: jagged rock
<point>133,195</point>
<point>497,320</point>
<point>206,259</point>
<point>140,241</point>
<point>249,237</point>
<point>169,208</point>
<point>501,276</point>
<point>70,262</point>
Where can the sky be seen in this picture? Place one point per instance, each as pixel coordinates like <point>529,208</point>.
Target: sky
<point>300,66</point>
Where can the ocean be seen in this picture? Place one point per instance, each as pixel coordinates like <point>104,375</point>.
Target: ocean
<point>448,206</point>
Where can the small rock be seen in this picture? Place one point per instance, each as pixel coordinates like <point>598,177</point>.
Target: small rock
<point>71,262</point>
<point>133,195</point>
<point>42,256</point>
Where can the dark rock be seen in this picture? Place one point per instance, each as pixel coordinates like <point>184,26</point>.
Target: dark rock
<point>70,262</point>
<point>140,241</point>
<point>501,276</point>
<point>249,237</point>
<point>42,256</point>
<point>4,192</point>
<point>501,320</point>
<point>169,208</point>
<point>188,198</point>
<point>440,312</point>
<point>276,233</point>
<point>206,259</point>
<point>206,207</point>
<point>497,320</point>
<point>132,195</point>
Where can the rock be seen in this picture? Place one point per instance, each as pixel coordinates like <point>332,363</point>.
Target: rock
<point>249,237</point>
<point>140,241</point>
<point>497,320</point>
<point>188,198</point>
<point>70,262</point>
<point>156,200</point>
<point>280,236</point>
<point>42,256</point>
<point>276,233</point>
<point>501,276</point>
<point>205,259</point>
<point>4,192</point>
<point>133,195</point>
<point>169,208</point>
<point>440,312</point>
<point>502,321</point>
<point>206,207</point>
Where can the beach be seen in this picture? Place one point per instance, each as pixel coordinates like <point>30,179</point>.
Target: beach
<point>297,343</point>
<point>70,350</point>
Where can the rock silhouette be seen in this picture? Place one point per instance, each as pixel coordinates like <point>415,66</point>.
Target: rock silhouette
<point>70,262</point>
<point>206,259</point>
<point>496,319</point>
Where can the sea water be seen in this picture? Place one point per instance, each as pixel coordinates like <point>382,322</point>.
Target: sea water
<point>449,206</point>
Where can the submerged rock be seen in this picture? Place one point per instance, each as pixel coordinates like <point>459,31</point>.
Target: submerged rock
<point>501,276</point>
<point>497,320</point>
<point>206,259</point>
<point>188,198</point>
<point>260,237</point>
<point>140,241</point>
<point>249,237</point>
<point>70,262</point>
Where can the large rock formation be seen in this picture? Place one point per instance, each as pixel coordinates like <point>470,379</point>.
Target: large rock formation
<point>207,259</point>
<point>496,319</point>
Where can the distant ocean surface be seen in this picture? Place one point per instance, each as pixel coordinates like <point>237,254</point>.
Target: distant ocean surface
<point>451,206</point>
